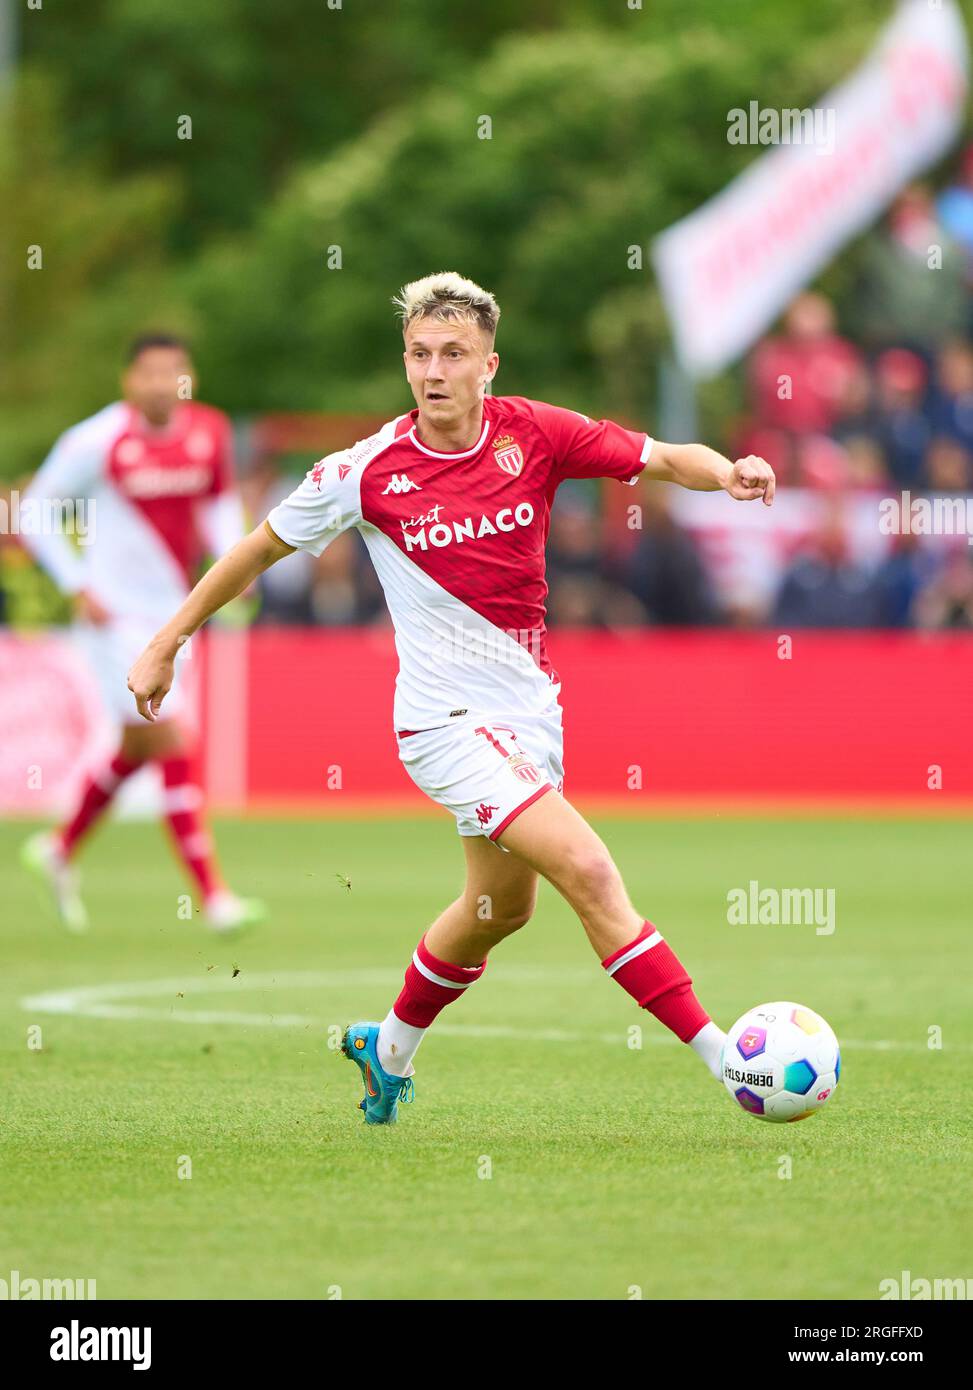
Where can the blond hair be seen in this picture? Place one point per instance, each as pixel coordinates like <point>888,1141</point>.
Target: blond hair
<point>447,296</point>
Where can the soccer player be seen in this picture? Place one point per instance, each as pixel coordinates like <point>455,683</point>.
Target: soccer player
<point>453,502</point>
<point>159,470</point>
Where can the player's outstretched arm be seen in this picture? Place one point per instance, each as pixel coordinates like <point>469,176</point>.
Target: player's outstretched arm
<point>150,679</point>
<point>704,470</point>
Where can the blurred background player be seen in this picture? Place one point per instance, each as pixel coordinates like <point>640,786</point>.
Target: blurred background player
<point>158,467</point>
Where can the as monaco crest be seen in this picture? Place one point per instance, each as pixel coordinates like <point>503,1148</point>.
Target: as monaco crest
<point>522,767</point>
<point>508,455</point>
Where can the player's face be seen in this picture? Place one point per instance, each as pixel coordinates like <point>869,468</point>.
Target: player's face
<point>152,382</point>
<point>448,365</point>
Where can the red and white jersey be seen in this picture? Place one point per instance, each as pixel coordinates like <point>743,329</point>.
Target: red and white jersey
<point>162,499</point>
<point>457,541</point>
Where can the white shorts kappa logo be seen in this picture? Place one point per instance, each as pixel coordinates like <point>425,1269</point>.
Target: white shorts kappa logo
<point>401,482</point>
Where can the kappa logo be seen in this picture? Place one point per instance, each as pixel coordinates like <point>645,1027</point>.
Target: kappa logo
<point>508,455</point>
<point>401,482</point>
<point>484,813</point>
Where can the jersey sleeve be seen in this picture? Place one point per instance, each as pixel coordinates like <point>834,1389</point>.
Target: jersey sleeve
<point>224,471</point>
<point>221,522</point>
<point>584,448</point>
<point>220,514</point>
<point>327,502</point>
<point>70,474</point>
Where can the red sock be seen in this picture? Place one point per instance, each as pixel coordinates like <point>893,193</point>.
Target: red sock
<point>657,980</point>
<point>431,984</point>
<point>96,795</point>
<point>182,801</point>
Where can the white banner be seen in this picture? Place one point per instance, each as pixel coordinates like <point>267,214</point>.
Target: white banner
<point>728,269</point>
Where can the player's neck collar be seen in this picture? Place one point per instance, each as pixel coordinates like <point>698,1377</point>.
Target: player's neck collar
<point>448,453</point>
<point>173,427</point>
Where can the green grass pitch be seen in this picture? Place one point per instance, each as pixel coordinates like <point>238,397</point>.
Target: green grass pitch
<point>610,1169</point>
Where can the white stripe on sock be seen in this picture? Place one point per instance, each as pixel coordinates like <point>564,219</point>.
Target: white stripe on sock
<point>184,798</point>
<point>437,979</point>
<point>198,846</point>
<point>638,949</point>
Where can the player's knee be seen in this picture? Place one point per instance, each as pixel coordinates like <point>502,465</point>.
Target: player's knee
<point>590,878</point>
<point>514,918</point>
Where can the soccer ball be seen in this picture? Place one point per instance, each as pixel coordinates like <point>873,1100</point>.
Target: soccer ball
<point>781,1062</point>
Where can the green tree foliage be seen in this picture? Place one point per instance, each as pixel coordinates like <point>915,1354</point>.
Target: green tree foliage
<point>317,125</point>
<point>267,85</point>
<point>81,269</point>
<point>597,143</point>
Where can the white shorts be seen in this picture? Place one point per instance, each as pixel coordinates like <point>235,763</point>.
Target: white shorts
<point>111,650</point>
<point>487,771</point>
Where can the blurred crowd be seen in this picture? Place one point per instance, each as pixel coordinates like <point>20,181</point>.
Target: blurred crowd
<point>847,415</point>
<point>845,418</point>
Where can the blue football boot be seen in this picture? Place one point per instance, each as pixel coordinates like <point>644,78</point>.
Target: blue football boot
<point>383,1091</point>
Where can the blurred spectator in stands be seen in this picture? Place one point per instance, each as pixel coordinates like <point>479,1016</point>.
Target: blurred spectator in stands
<point>955,208</point>
<point>665,572</point>
<point>948,466</point>
<point>574,559</point>
<point>853,407</point>
<point>574,546</point>
<point>900,424</point>
<point>285,589</point>
<point>581,592</point>
<point>822,463</point>
<point>947,602</point>
<point>856,429</point>
<point>912,286</point>
<point>824,586</point>
<point>801,376</point>
<point>952,406</point>
<point>867,466</point>
<point>901,576</point>
<point>334,601</point>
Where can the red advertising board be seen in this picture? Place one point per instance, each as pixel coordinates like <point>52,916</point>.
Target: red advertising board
<point>706,715</point>
<point>302,719</point>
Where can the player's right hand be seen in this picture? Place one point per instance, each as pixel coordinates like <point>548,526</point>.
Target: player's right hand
<point>88,609</point>
<point>150,681</point>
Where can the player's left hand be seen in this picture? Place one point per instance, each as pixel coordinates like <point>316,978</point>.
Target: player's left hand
<point>751,477</point>
<point>150,681</point>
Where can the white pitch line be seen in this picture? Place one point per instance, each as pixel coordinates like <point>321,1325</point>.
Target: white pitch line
<point>100,1001</point>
